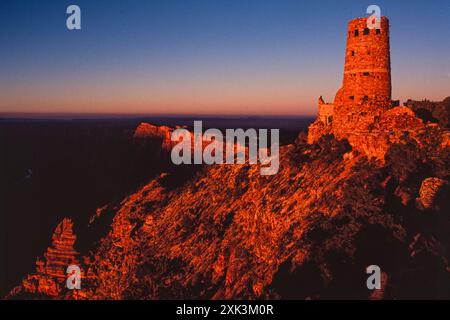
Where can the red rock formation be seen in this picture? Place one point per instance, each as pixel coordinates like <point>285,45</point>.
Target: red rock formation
<point>62,253</point>
<point>230,233</point>
<point>430,192</point>
<point>160,133</point>
<point>50,276</point>
<point>226,233</point>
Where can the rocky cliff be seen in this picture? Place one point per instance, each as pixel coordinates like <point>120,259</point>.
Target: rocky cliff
<point>49,278</point>
<point>159,134</point>
<point>308,232</point>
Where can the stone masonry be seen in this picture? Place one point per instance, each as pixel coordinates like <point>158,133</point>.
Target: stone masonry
<point>363,111</point>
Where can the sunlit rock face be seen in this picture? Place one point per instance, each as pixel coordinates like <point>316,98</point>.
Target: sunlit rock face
<point>431,193</point>
<point>50,276</point>
<point>146,131</point>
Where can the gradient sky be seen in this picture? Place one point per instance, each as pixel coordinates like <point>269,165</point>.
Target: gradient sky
<point>206,56</point>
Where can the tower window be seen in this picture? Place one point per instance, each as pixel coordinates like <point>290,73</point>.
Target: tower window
<point>329,119</point>
<point>366,74</point>
<point>378,31</point>
<point>365,98</point>
<point>356,33</point>
<point>352,97</point>
<point>366,31</point>
<point>353,53</point>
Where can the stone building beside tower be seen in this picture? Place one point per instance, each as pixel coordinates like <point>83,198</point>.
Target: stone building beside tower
<point>363,111</point>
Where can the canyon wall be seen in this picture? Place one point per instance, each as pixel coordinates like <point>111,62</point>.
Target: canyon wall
<point>49,278</point>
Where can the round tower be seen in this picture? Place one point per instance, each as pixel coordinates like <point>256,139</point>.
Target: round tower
<point>367,71</point>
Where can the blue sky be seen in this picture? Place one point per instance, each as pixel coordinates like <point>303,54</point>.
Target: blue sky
<point>205,56</point>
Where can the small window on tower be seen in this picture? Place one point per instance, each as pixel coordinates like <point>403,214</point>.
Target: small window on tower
<point>378,31</point>
<point>356,33</point>
<point>352,97</point>
<point>353,53</point>
<point>366,31</point>
<point>366,74</point>
<point>365,98</point>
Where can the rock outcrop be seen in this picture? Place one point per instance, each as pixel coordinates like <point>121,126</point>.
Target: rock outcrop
<point>432,193</point>
<point>159,133</point>
<point>432,111</point>
<point>50,276</point>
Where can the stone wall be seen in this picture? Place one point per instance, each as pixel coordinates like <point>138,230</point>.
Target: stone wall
<point>326,111</point>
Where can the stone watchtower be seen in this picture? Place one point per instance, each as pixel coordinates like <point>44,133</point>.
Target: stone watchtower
<point>367,70</point>
<point>366,88</point>
<point>363,112</point>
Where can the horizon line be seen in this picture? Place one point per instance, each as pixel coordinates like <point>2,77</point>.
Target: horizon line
<point>101,115</point>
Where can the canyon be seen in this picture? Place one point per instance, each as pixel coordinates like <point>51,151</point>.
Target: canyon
<point>308,232</point>
<point>367,184</point>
